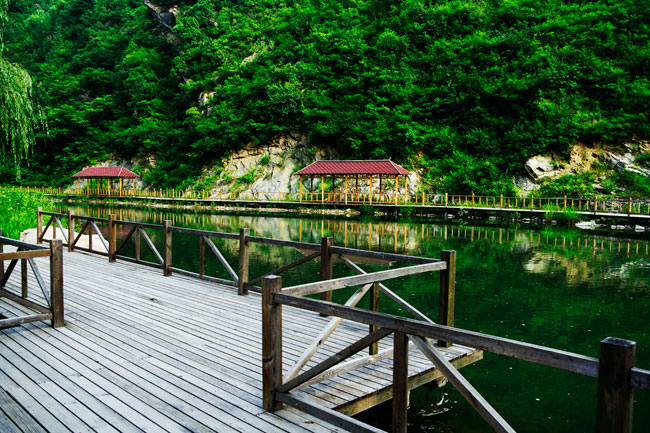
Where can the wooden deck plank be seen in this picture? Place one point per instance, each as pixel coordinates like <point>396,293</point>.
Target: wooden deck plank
<point>143,352</point>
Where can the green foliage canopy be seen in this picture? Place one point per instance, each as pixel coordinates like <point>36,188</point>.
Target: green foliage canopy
<point>468,88</point>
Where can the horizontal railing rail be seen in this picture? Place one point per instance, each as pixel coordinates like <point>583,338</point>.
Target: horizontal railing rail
<point>599,204</point>
<point>616,374</point>
<point>50,306</point>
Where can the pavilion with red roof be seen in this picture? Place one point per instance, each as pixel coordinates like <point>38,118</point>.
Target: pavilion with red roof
<point>101,173</point>
<point>370,169</point>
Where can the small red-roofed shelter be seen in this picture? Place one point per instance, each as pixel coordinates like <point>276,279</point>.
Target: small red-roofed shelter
<point>101,173</point>
<point>365,168</point>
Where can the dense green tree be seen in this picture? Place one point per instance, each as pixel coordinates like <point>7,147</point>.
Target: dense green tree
<point>466,89</point>
<point>18,118</point>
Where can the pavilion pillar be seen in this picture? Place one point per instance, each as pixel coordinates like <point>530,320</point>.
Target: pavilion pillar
<point>380,189</point>
<point>346,189</point>
<point>77,186</point>
<point>300,184</point>
<point>311,188</point>
<point>396,189</point>
<point>322,189</point>
<point>406,189</point>
<point>121,186</point>
<point>357,189</point>
<point>370,183</point>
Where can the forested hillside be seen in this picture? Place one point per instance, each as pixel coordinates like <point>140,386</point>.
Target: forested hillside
<point>466,89</point>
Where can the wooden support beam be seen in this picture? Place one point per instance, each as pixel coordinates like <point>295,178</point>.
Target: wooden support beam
<point>447,296</point>
<point>356,280</point>
<point>201,255</point>
<point>23,278</point>
<point>370,187</point>
<point>285,268</point>
<point>167,248</point>
<point>56,283</point>
<point>324,334</point>
<point>221,258</point>
<point>400,382</point>
<point>70,230</point>
<point>326,268</point>
<point>322,189</point>
<point>331,416</point>
<point>137,242</point>
<point>542,355</point>
<point>244,259</point>
<point>324,366</point>
<point>154,250</point>
<point>615,392</point>
<point>389,293</point>
<point>300,185</point>
<point>271,342</point>
<point>17,321</point>
<point>489,414</point>
<point>24,254</point>
<point>374,306</point>
<point>112,238</point>
<point>346,189</point>
<point>39,225</point>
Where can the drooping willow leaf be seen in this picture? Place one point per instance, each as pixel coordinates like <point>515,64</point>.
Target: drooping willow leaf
<point>17,115</point>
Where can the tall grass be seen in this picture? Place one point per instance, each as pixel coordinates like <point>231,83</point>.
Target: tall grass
<point>18,210</point>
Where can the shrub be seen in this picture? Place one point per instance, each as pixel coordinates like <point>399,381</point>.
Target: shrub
<point>572,185</point>
<point>18,210</point>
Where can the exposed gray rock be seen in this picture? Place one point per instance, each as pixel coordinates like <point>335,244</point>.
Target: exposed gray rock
<point>540,166</point>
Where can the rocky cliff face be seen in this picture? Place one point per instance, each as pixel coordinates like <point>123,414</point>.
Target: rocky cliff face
<point>599,158</point>
<point>267,169</point>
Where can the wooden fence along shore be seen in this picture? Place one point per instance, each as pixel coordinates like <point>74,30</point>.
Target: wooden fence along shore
<point>597,206</point>
<point>413,341</point>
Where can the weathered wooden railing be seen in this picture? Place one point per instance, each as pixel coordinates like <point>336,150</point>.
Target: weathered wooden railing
<point>52,297</point>
<point>603,204</point>
<point>617,376</point>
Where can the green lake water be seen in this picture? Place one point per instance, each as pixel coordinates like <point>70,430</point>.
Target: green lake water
<point>559,287</point>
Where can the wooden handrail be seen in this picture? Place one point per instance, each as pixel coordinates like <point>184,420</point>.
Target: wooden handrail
<point>26,253</point>
<point>356,280</point>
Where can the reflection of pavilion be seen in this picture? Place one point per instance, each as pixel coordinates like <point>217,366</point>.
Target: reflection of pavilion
<point>369,169</point>
<point>101,173</point>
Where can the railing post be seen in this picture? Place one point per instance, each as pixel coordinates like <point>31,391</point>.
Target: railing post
<point>39,225</point>
<point>501,201</point>
<point>629,205</point>
<point>446,199</point>
<point>326,265</point>
<point>271,342</point>
<point>137,243</point>
<point>244,261</point>
<point>167,253</point>
<point>56,282</point>
<point>565,202</point>
<point>112,238</point>
<point>400,382</point>
<point>70,231</point>
<point>374,306</point>
<point>201,256</point>
<point>23,278</point>
<point>2,262</point>
<point>447,297</point>
<point>472,199</point>
<point>615,391</point>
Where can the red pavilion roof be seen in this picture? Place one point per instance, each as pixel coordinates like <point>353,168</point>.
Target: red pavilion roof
<point>106,172</point>
<point>353,167</point>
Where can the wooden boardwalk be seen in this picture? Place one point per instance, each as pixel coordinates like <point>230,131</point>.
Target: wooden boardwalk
<point>143,352</point>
